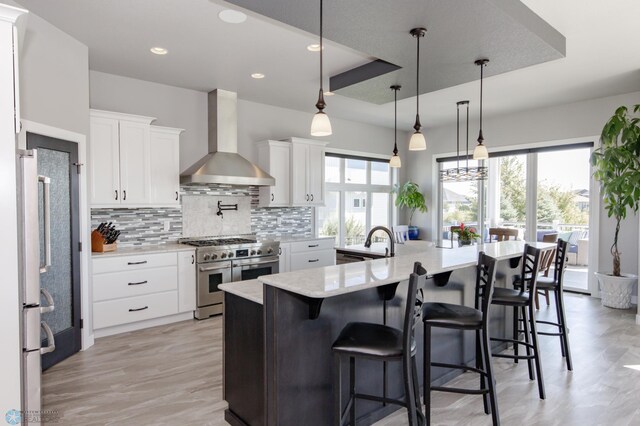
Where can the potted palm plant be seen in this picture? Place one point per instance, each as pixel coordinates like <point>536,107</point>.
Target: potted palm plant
<point>409,196</point>
<point>617,168</point>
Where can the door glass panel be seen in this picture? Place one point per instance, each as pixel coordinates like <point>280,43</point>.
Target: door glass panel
<point>563,208</point>
<point>250,274</point>
<point>380,215</point>
<point>459,202</point>
<point>355,216</point>
<point>355,171</point>
<point>58,278</point>
<point>511,185</point>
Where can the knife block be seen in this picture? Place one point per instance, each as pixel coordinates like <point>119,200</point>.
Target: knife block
<point>98,245</point>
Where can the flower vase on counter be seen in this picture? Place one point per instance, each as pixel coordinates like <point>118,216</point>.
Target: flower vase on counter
<point>466,235</point>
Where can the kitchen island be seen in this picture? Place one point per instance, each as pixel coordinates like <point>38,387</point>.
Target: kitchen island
<point>278,364</point>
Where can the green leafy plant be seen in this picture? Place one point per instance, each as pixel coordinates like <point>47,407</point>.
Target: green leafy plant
<point>617,168</point>
<point>409,196</point>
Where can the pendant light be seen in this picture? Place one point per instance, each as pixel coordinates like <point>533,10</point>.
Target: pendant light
<point>466,173</point>
<point>417,141</point>
<point>321,126</point>
<point>481,153</point>
<point>395,160</point>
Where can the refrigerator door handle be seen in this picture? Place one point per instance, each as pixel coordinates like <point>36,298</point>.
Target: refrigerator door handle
<point>46,183</point>
<point>50,339</point>
<point>50,305</point>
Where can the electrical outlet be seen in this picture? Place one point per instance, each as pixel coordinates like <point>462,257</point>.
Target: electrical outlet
<point>278,221</point>
<point>167,225</point>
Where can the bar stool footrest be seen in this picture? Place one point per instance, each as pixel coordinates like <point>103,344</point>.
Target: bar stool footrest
<point>517,342</point>
<point>459,367</point>
<point>482,391</point>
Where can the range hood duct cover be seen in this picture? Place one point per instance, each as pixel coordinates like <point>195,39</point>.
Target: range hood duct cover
<point>223,164</point>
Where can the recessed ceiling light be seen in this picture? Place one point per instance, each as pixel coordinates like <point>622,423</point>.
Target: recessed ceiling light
<point>231,16</point>
<point>257,75</point>
<point>314,47</point>
<point>328,93</point>
<point>159,50</point>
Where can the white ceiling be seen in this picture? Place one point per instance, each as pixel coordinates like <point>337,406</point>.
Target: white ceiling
<point>602,59</point>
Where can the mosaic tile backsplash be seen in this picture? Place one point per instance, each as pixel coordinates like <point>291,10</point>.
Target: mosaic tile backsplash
<point>146,226</point>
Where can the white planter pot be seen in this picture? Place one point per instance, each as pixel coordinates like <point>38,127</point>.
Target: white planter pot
<point>616,291</point>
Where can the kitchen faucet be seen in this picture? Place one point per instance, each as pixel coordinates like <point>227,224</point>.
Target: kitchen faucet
<point>367,242</point>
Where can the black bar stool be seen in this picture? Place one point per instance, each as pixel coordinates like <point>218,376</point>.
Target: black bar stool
<point>522,299</point>
<point>460,317</point>
<point>555,284</point>
<point>384,343</point>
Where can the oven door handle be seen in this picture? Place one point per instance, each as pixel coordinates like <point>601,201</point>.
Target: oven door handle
<point>213,268</point>
<point>262,262</point>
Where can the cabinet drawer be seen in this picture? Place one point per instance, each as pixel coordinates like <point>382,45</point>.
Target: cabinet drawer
<point>324,244</point>
<point>130,263</point>
<point>134,283</point>
<point>132,309</point>
<point>312,259</point>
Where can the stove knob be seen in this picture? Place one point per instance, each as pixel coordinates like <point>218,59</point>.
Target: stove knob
<point>206,257</point>
<point>270,250</point>
<point>214,256</point>
<point>259,252</point>
<point>223,255</point>
<point>230,254</point>
<point>253,252</point>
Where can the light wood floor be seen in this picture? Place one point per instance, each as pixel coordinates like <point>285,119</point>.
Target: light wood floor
<point>173,375</point>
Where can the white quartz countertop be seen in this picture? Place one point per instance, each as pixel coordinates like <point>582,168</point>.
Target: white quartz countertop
<point>341,279</point>
<point>378,249</point>
<point>249,289</point>
<point>294,238</point>
<point>156,248</point>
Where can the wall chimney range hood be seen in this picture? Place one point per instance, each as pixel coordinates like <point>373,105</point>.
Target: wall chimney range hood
<point>223,164</point>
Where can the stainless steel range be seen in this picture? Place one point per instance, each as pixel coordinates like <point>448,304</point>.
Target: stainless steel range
<point>223,260</point>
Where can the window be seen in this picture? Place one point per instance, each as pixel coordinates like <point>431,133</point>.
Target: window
<point>357,199</point>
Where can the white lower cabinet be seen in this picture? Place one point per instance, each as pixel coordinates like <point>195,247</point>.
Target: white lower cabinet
<point>285,257</point>
<point>129,290</point>
<point>313,253</point>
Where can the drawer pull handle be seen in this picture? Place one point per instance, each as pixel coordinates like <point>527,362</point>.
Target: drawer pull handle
<point>313,260</point>
<point>311,197</point>
<point>138,283</point>
<point>313,245</point>
<point>138,309</point>
<point>137,263</point>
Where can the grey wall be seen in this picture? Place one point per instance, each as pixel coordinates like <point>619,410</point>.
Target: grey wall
<point>54,77</point>
<point>575,120</point>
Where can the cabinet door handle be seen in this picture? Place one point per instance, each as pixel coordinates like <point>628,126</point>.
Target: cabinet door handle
<point>176,195</point>
<point>124,195</point>
<point>311,197</point>
<point>138,283</point>
<point>307,197</point>
<point>313,245</point>
<point>137,263</point>
<point>116,194</point>
<point>193,259</point>
<point>272,197</point>
<point>313,260</point>
<point>138,309</point>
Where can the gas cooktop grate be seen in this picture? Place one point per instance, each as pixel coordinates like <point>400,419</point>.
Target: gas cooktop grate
<point>219,242</point>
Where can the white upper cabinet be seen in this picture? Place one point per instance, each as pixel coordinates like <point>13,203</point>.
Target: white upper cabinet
<point>274,158</point>
<point>307,172</point>
<point>165,165</point>
<point>132,163</point>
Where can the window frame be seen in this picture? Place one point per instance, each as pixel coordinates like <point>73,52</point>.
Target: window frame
<point>368,188</point>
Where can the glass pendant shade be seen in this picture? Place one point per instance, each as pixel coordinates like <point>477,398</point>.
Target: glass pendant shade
<point>417,142</point>
<point>395,161</point>
<point>320,126</point>
<point>480,153</point>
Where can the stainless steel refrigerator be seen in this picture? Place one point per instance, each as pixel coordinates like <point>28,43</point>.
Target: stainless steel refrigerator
<point>31,266</point>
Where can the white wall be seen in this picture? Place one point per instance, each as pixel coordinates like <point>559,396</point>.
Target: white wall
<point>187,109</point>
<point>575,120</point>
